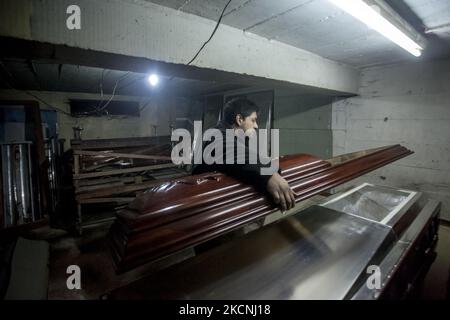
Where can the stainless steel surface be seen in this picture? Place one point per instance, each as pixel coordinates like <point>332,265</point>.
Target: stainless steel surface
<point>376,203</point>
<point>318,253</point>
<point>392,261</point>
<point>23,187</point>
<point>32,192</point>
<point>371,202</point>
<point>18,184</point>
<point>52,156</point>
<point>8,185</point>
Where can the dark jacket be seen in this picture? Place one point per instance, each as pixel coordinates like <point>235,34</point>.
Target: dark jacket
<point>249,173</point>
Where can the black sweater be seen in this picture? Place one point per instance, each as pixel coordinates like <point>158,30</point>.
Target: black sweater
<point>248,173</point>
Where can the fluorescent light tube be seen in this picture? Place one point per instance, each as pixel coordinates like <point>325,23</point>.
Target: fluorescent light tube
<point>366,14</point>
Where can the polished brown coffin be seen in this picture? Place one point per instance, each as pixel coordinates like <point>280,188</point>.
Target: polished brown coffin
<point>188,211</point>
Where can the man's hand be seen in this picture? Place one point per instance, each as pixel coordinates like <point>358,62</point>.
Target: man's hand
<point>280,191</point>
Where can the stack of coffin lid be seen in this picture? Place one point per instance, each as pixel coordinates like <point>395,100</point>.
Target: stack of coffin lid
<point>188,211</point>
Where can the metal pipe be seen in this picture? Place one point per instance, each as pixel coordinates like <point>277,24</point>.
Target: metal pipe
<point>19,187</point>
<point>52,156</point>
<point>23,186</point>
<point>8,185</point>
<point>32,194</point>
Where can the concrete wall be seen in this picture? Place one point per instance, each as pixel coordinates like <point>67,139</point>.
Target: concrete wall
<point>407,104</point>
<point>143,29</point>
<point>160,111</point>
<point>305,124</point>
<point>304,120</point>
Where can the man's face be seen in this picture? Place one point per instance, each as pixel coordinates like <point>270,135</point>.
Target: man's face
<point>248,124</point>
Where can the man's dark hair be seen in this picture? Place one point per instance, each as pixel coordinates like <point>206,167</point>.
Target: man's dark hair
<point>242,106</point>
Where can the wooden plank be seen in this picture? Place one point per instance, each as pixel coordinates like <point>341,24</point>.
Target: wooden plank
<point>96,144</point>
<point>98,187</point>
<point>118,190</point>
<point>119,187</point>
<point>123,171</point>
<point>119,155</point>
<point>167,175</point>
<point>106,200</point>
<point>98,166</point>
<point>105,181</point>
<point>76,164</point>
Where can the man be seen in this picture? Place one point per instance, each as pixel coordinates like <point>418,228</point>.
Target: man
<point>241,114</point>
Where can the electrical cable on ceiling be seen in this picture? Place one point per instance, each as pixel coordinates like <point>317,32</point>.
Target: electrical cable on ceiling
<point>113,93</point>
<point>201,48</point>
<point>210,37</point>
<point>101,90</point>
<point>212,34</point>
<point>97,108</point>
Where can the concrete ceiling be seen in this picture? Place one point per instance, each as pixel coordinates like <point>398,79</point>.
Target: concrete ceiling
<point>24,75</point>
<point>43,75</point>
<point>432,14</point>
<point>313,25</point>
<point>320,27</point>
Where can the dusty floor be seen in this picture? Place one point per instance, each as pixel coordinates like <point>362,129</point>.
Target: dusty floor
<point>91,254</point>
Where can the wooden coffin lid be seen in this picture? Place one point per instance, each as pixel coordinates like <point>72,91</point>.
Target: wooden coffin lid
<point>189,195</point>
